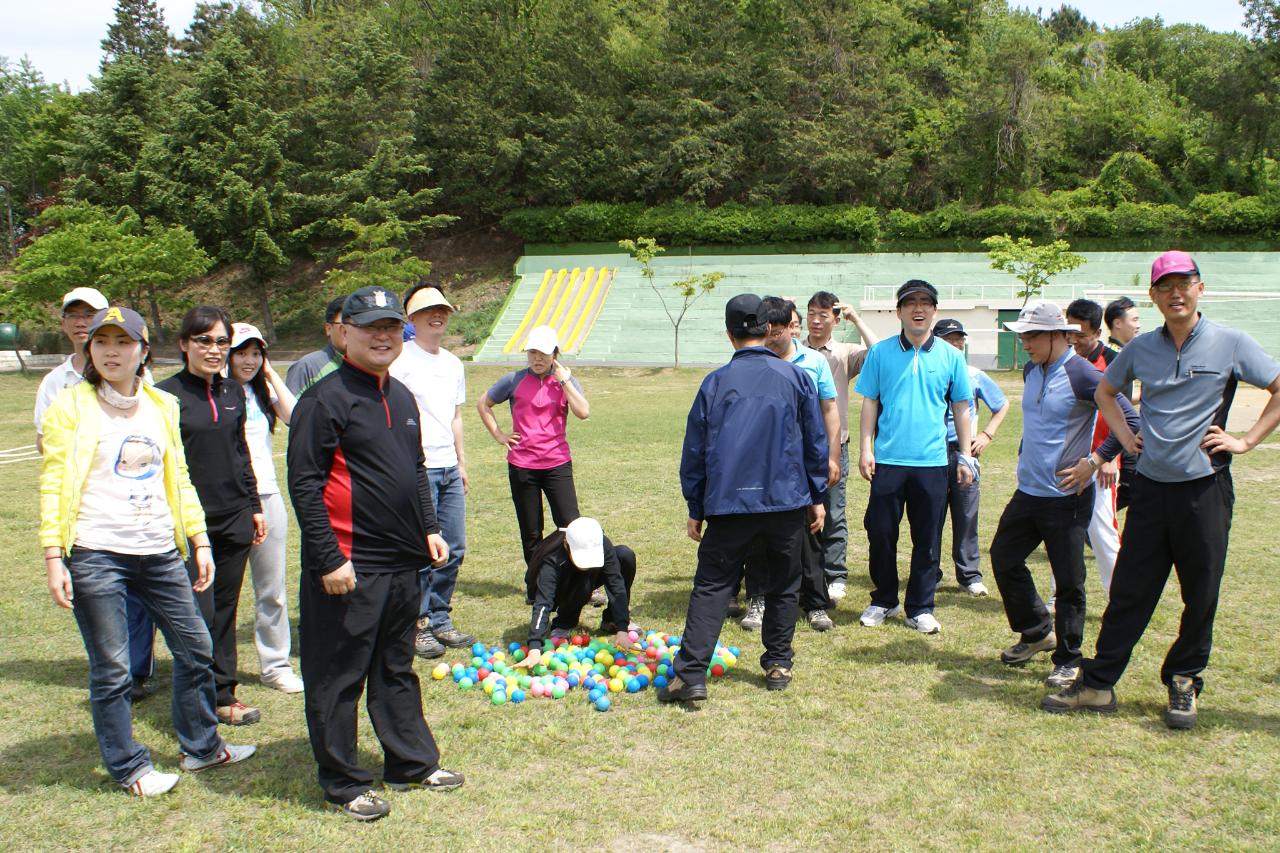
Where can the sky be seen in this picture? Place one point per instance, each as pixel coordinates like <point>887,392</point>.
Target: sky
<point>62,36</point>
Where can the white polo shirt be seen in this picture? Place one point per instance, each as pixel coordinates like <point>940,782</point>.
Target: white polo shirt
<point>62,376</point>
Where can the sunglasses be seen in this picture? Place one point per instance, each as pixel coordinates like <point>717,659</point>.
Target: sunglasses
<point>210,340</point>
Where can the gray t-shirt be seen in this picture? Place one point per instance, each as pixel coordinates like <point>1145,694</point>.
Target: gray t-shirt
<point>1186,392</point>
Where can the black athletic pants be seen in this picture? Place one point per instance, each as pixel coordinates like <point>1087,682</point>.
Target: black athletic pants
<point>231,537</point>
<point>346,641</point>
<point>1183,526</point>
<point>528,485</point>
<point>922,492</point>
<point>1061,524</point>
<point>813,576</point>
<point>725,543</point>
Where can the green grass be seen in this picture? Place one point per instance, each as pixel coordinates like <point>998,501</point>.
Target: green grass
<point>886,738</point>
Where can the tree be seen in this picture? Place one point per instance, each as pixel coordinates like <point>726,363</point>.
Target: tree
<point>376,255</point>
<point>1031,264</point>
<point>139,30</point>
<point>116,253</point>
<point>689,289</point>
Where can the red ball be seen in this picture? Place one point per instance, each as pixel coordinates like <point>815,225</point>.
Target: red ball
<point>653,666</point>
<point>482,673</point>
<point>717,670</point>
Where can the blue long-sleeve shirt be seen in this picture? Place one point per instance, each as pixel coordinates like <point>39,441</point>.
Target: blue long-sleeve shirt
<point>754,440</point>
<point>1058,416</point>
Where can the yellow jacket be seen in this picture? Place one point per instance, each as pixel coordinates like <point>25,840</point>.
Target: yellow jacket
<point>72,425</point>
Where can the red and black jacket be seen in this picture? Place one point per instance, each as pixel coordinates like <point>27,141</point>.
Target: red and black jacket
<point>211,417</point>
<point>357,477</point>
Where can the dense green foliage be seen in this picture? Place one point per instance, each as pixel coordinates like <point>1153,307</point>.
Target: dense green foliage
<point>264,129</point>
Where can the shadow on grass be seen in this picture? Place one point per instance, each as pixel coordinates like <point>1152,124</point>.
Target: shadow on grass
<point>69,760</point>
<point>491,590</point>
<point>68,672</point>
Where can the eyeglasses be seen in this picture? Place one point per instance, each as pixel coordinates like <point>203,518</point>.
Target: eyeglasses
<point>209,340</point>
<point>1182,284</point>
<point>80,316</point>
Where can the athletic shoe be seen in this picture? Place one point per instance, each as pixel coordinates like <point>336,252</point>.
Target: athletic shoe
<point>368,806</point>
<point>598,598</point>
<point>977,589</point>
<point>288,682</point>
<point>820,621</point>
<point>227,755</point>
<point>678,691</point>
<point>607,626</point>
<point>924,623</point>
<point>1022,651</point>
<point>425,644</point>
<point>755,614</point>
<point>153,783</point>
<point>1062,677</point>
<point>1079,697</point>
<point>561,633</point>
<point>238,714</point>
<point>736,609</point>
<point>777,678</point>
<point>1181,713</point>
<point>875,615</point>
<point>453,638</point>
<point>439,780</point>
<point>837,590</point>
<point>142,688</point>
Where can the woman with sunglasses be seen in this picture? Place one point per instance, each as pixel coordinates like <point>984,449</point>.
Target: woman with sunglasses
<point>266,401</point>
<point>212,421</point>
<point>117,513</point>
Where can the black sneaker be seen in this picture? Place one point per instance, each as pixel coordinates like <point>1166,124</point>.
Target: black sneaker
<point>678,691</point>
<point>1181,713</point>
<point>425,645</point>
<point>368,806</point>
<point>438,780</point>
<point>777,678</point>
<point>453,638</point>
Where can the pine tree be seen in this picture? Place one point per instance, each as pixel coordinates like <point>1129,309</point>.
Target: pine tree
<point>139,30</point>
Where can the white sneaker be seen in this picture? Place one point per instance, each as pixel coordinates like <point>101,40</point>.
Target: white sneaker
<point>755,614</point>
<point>229,754</point>
<point>836,590</point>
<point>153,783</point>
<point>977,589</point>
<point>875,615</point>
<point>924,623</point>
<point>288,682</point>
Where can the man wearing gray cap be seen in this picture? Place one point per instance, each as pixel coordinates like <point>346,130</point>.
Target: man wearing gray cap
<point>1053,503</point>
<point>1180,512</point>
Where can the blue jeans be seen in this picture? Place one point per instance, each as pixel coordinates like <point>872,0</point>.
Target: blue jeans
<point>834,537</point>
<point>437,582</point>
<point>100,581</point>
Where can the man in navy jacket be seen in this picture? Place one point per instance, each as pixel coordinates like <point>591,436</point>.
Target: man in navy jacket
<point>754,468</point>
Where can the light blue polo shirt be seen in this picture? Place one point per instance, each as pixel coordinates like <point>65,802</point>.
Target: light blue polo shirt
<point>984,389</point>
<point>815,365</point>
<point>1186,392</point>
<point>914,386</point>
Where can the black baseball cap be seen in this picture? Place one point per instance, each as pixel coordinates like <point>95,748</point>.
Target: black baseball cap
<point>942,328</point>
<point>370,304</point>
<point>743,312</point>
<point>917,286</point>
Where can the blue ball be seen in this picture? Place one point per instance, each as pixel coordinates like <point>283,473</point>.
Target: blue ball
<point>603,703</point>
<point>572,679</point>
<point>735,651</point>
<point>517,696</point>
<point>596,693</point>
<point>477,649</point>
<point>513,647</point>
<point>659,681</point>
<point>633,685</point>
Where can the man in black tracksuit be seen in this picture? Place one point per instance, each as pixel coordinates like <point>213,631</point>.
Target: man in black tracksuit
<point>567,567</point>
<point>359,487</point>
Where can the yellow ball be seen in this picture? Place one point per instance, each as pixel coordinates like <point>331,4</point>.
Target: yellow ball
<point>728,658</point>
<point>616,685</point>
<point>441,670</point>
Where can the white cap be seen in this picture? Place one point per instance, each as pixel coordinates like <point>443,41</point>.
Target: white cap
<point>426,297</point>
<point>242,333</point>
<point>1041,317</point>
<point>91,296</point>
<point>586,543</point>
<point>543,339</point>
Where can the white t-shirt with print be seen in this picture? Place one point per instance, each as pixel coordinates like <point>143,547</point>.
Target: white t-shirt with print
<point>123,507</point>
<point>439,385</point>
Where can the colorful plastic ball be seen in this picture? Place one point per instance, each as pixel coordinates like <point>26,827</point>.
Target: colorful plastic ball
<point>633,685</point>
<point>603,703</point>
<point>466,683</point>
<point>518,655</point>
<point>616,685</point>
<point>557,692</point>
<point>633,636</point>
<point>660,681</point>
<point>517,696</point>
<point>478,649</point>
<point>498,697</point>
<point>717,670</point>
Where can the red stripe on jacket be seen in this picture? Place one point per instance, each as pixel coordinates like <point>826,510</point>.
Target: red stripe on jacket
<point>337,499</point>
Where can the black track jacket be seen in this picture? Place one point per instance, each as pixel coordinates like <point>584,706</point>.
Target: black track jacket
<point>357,477</point>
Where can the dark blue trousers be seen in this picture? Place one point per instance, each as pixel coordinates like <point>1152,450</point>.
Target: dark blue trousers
<point>922,492</point>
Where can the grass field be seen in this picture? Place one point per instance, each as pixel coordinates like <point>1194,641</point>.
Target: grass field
<point>886,739</point>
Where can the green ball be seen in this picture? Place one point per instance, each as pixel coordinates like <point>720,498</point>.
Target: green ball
<point>518,655</point>
<point>498,698</point>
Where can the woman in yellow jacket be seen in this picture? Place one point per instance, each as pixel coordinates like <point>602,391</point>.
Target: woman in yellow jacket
<point>117,511</point>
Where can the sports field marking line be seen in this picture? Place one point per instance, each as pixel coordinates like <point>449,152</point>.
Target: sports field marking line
<point>34,457</point>
<point>23,449</point>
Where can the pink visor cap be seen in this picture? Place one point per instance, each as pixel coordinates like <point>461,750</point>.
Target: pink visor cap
<point>1173,263</point>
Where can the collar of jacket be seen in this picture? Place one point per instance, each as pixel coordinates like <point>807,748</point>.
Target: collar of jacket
<point>379,382</point>
<point>905,342</point>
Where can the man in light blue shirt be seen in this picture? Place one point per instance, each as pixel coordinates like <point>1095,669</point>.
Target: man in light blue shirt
<point>907,383</point>
<point>963,503</point>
